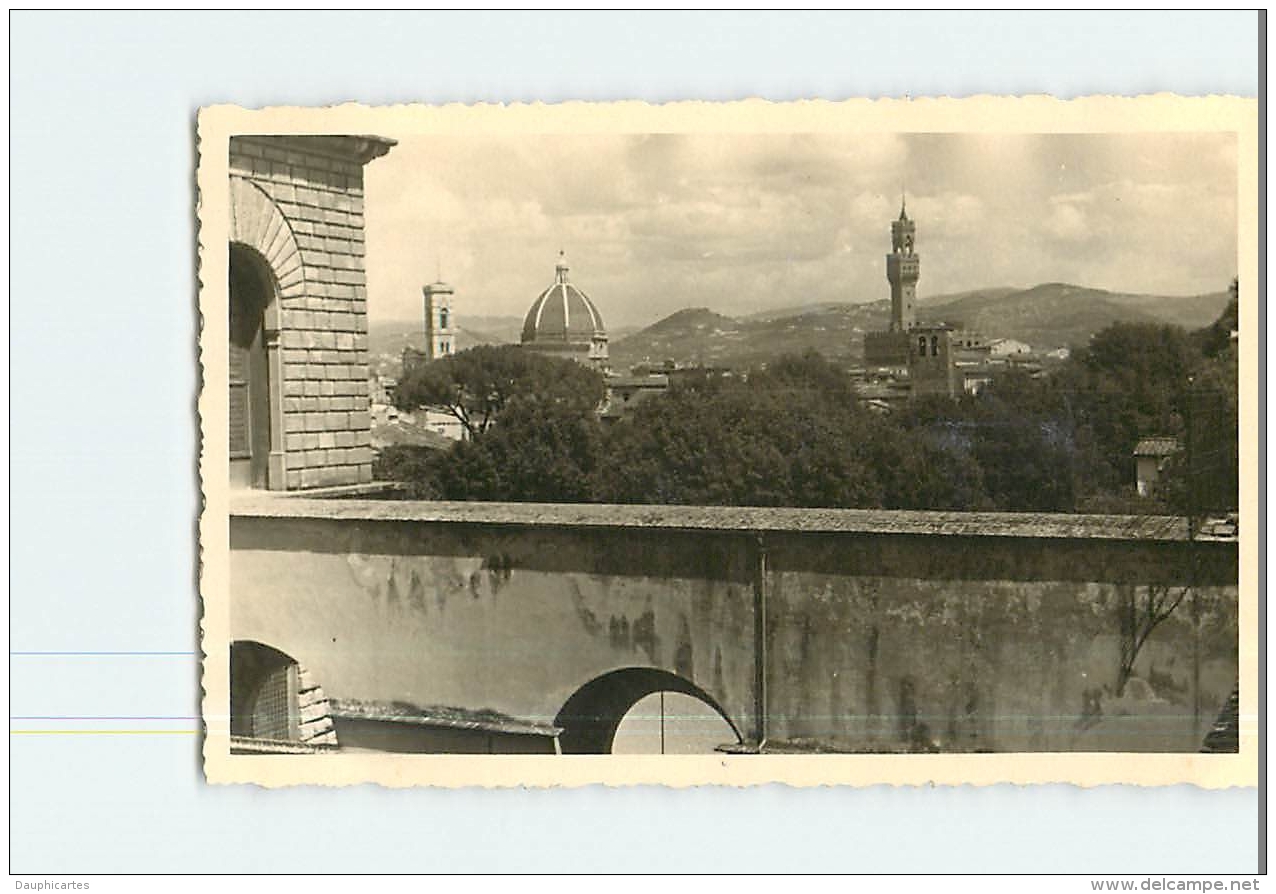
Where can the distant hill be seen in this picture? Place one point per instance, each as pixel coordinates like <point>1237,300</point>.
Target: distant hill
<point>1046,316</point>
<point>1055,315</point>
<point>695,334</point>
<point>1188,311</point>
<point>778,313</point>
<point>700,335</point>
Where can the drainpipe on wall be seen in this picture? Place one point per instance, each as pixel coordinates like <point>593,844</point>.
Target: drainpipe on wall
<point>759,641</point>
<point>1194,513</point>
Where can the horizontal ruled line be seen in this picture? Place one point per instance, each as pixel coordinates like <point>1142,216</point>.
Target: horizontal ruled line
<point>55,653</point>
<point>102,732</point>
<point>101,717</point>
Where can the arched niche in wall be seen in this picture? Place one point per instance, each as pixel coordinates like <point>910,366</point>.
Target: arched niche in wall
<point>590,717</point>
<point>265,270</point>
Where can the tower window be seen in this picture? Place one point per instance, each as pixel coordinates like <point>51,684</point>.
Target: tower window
<point>934,346</point>
<point>443,318</point>
<point>921,346</point>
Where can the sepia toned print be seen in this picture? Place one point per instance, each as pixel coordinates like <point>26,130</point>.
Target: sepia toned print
<point>816,443</point>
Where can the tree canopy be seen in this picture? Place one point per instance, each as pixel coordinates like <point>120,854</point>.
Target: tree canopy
<point>539,451</point>
<point>476,385</point>
<point>796,434</point>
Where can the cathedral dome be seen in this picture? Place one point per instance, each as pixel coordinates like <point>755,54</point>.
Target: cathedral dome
<point>562,320</point>
<point>562,313</point>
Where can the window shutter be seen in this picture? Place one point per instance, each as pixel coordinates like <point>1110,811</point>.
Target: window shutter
<point>240,415</point>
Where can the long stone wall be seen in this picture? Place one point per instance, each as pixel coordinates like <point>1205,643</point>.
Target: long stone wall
<point>830,630</point>
<point>968,643</point>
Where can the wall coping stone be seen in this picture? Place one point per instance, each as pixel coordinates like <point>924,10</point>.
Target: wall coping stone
<point>260,504</point>
<point>358,148</point>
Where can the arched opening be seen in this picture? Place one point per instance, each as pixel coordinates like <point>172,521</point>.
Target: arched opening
<point>263,682</point>
<point>591,718</point>
<point>274,700</point>
<point>672,723</point>
<point>251,293</point>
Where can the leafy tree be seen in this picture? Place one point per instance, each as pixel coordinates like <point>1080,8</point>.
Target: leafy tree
<point>1216,338</point>
<point>476,385</point>
<point>415,468</point>
<point>688,447</point>
<point>1137,380</point>
<point>1205,475</point>
<point>1003,449</point>
<point>933,468</point>
<point>1130,382</point>
<point>540,451</point>
<point>778,437</point>
<point>809,370</point>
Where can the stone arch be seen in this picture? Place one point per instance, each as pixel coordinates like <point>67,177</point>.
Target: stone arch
<point>257,222</point>
<point>275,703</point>
<point>262,238</point>
<point>590,717</point>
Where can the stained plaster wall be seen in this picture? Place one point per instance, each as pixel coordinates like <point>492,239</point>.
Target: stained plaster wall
<point>873,642</point>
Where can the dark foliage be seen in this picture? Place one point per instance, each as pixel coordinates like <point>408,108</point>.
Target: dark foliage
<point>415,468</point>
<point>795,434</point>
<point>537,452</point>
<point>476,385</point>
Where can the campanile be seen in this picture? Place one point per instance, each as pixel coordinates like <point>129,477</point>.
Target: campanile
<point>903,267</point>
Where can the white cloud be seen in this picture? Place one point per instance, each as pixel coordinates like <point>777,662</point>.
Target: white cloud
<point>1067,221</point>
<point>654,223</point>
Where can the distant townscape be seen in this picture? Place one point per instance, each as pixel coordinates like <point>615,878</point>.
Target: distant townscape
<point>1055,397</point>
<point>1049,318</point>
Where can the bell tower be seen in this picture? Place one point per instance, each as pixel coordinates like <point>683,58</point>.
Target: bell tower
<point>903,267</point>
<point>440,327</point>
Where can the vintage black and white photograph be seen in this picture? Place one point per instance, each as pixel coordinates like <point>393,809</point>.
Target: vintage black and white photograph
<point>853,440</point>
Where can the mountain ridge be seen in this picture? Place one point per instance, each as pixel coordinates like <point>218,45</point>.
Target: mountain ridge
<point>1045,316</point>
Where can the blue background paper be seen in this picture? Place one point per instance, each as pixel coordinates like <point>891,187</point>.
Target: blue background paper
<point>102,458</point>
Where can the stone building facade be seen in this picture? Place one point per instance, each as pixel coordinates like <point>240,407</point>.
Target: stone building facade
<point>931,370</point>
<point>299,404</point>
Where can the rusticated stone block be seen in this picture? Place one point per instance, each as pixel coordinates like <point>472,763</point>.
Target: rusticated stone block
<point>322,317</point>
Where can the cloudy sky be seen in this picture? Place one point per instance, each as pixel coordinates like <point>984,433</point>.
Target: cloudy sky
<point>655,223</point>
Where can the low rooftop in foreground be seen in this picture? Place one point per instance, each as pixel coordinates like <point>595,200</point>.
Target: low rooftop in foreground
<point>261,504</point>
<point>452,717</point>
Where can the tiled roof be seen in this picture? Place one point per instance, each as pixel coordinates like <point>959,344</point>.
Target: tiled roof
<point>439,715</point>
<point>1156,447</point>
<point>248,745</point>
<point>720,518</point>
<point>410,433</point>
<point>1226,527</point>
